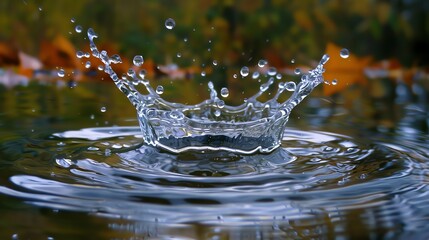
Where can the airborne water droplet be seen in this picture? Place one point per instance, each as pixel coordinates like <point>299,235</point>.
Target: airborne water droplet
<point>262,63</point>
<point>255,75</point>
<point>272,71</point>
<point>334,82</point>
<point>214,63</point>
<point>203,74</point>
<point>88,64</point>
<point>138,60</point>
<point>78,29</point>
<point>61,73</point>
<point>224,92</point>
<point>297,71</point>
<point>244,71</point>
<point>160,89</point>
<point>179,55</point>
<point>324,59</point>
<point>170,23</point>
<point>79,54</point>
<point>103,109</point>
<point>344,53</point>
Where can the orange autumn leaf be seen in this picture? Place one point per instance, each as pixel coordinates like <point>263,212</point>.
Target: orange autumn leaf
<point>58,53</point>
<point>346,71</point>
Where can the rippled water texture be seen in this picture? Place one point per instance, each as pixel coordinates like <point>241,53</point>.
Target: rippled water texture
<point>317,185</point>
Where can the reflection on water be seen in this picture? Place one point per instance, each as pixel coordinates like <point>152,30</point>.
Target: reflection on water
<point>319,184</point>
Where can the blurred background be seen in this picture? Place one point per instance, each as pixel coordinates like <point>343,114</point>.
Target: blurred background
<point>387,68</point>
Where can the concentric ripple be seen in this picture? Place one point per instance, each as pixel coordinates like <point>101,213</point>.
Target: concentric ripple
<point>313,186</point>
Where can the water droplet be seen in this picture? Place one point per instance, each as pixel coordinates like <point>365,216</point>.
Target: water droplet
<point>103,109</point>
<point>93,149</point>
<point>214,63</point>
<point>344,53</point>
<point>244,71</point>
<point>279,76</point>
<point>255,75</point>
<point>334,82</point>
<point>91,34</point>
<point>224,92</point>
<point>78,28</point>
<point>290,86</point>
<point>324,59</point>
<point>220,104</point>
<point>292,60</point>
<point>159,89</point>
<point>40,9</point>
<point>217,112</point>
<point>80,54</point>
<point>61,144</point>
<point>61,72</point>
<point>115,59</point>
<point>179,55</point>
<point>107,152</point>
<point>170,23</point>
<point>138,60</point>
<point>131,72</point>
<point>72,20</point>
<point>272,71</point>
<point>264,87</point>
<point>203,74</point>
<point>142,74</point>
<point>234,75</point>
<point>185,40</point>
<point>176,115</point>
<point>92,116</point>
<point>297,71</point>
<point>100,67</point>
<point>262,63</point>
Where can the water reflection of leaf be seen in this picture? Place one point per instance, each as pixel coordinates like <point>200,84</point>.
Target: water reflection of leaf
<point>347,71</point>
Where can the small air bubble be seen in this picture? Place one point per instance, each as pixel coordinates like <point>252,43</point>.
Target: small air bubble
<point>160,89</point>
<point>138,60</point>
<point>170,23</point>
<point>61,73</point>
<point>244,71</point>
<point>344,53</point>
<point>103,109</point>
<point>224,92</point>
<point>78,29</point>
<point>262,63</point>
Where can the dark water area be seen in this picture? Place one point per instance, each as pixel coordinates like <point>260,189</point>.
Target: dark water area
<point>71,169</point>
